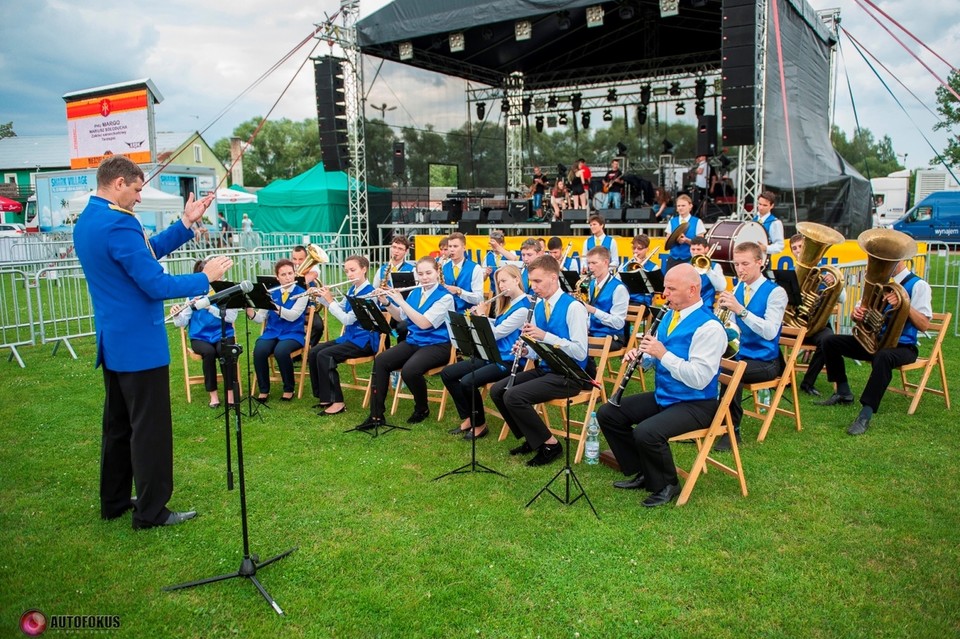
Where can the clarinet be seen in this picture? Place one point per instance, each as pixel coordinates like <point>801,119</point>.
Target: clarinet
<point>519,344</point>
<point>632,366</point>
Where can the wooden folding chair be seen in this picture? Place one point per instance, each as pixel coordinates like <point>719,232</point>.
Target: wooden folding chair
<point>790,340</point>
<point>730,374</point>
<point>301,352</point>
<point>807,350</point>
<point>939,325</point>
<point>437,395</point>
<point>635,315</point>
<point>363,383</point>
<point>189,356</point>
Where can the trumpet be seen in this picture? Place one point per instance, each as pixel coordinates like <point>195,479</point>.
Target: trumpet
<point>383,291</point>
<point>729,321</point>
<point>566,251</point>
<point>632,366</point>
<point>633,265</point>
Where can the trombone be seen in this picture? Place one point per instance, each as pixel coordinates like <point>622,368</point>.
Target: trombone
<point>703,263</point>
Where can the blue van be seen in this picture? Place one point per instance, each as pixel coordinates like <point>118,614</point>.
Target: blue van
<point>935,218</point>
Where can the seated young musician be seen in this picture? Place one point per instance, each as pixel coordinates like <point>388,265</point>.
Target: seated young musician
<point>758,305</point>
<point>427,345</point>
<point>680,252</point>
<point>283,334</point>
<point>355,342</point>
<point>399,247</point>
<point>298,255</point>
<point>685,352</point>
<point>462,277</point>
<point>599,238</point>
<point>465,379</point>
<point>559,198</point>
<point>607,299</point>
<point>556,248</point>
<point>641,247</point>
<point>558,320</point>
<point>205,337</point>
<point>711,282</point>
<point>529,251</point>
<point>496,257</point>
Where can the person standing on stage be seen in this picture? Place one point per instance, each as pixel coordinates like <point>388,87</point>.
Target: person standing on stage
<point>701,178</point>
<point>680,252</point>
<point>462,277</point>
<point>580,185</point>
<point>711,282</point>
<point>465,379</point>
<point>537,189</point>
<point>399,247</point>
<point>558,320</point>
<point>127,288</point>
<point>771,225</point>
<point>613,184</point>
<point>599,238</point>
<point>685,399</point>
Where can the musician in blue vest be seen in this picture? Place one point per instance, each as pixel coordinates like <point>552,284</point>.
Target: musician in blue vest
<point>758,305</point>
<point>680,252</point>
<point>640,260</point>
<point>556,249</point>
<point>558,320</point>
<point>427,345</point>
<point>599,238</point>
<point>607,299</point>
<point>465,379</point>
<point>462,277</point>
<point>773,226</point>
<point>712,281</point>
<point>205,337</point>
<point>495,258</point>
<point>323,358</point>
<point>399,247</point>
<point>312,279</point>
<point>283,333</point>
<point>529,251</point>
<point>883,363</point>
<point>686,392</point>
<point>127,288</point>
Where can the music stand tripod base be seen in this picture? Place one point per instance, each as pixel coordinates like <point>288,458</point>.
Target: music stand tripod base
<point>374,429</point>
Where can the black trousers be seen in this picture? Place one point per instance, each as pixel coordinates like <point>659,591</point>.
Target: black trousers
<point>645,449</point>
<point>210,352</point>
<point>836,347</point>
<point>322,361</point>
<point>756,371</point>
<point>817,360</point>
<point>518,405</point>
<point>281,350</point>
<point>464,381</point>
<point>413,362</point>
<point>137,444</point>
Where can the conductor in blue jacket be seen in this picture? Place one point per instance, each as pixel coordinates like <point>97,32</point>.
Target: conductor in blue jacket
<point>127,288</point>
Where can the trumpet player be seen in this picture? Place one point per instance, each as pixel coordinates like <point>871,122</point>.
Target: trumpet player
<point>686,390</point>
<point>399,247</point>
<point>882,364</point>
<point>641,260</point>
<point>311,278</point>
<point>712,280</point>
<point>556,249</point>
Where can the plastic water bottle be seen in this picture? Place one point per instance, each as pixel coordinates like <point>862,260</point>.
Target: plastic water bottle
<point>592,449</point>
<point>394,377</point>
<point>763,398</point>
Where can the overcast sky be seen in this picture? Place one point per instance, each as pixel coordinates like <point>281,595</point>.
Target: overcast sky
<point>201,55</point>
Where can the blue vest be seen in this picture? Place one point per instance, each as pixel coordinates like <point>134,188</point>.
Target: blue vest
<point>491,261</point>
<point>557,323</point>
<point>752,346</point>
<point>671,391</point>
<point>570,264</point>
<point>909,334</point>
<point>766,225</point>
<point>607,242</point>
<point>526,282</point>
<point>405,267</point>
<point>426,337</point>
<point>682,251</point>
<point>604,302</point>
<point>505,344</point>
<point>354,333</point>
<point>465,281</point>
<point>279,328</point>
<point>640,298</point>
<point>707,293</point>
<point>205,327</point>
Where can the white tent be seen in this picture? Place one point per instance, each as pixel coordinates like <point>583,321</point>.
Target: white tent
<point>230,196</point>
<point>151,199</point>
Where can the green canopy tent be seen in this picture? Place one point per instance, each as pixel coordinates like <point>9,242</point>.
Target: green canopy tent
<point>315,201</point>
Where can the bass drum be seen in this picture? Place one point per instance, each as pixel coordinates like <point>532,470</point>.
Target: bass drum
<point>726,235</point>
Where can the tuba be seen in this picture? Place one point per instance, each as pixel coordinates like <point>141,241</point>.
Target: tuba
<point>882,323</point>
<point>315,255</point>
<point>818,295</point>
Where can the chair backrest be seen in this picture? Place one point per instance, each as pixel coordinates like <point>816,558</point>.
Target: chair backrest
<point>939,324</point>
<point>791,338</point>
<point>731,372</point>
<point>599,347</point>
<point>635,315</point>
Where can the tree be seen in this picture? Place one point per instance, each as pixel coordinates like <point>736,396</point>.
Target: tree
<point>949,108</point>
<point>281,150</point>
<point>870,157</point>
<point>6,131</point>
<point>378,141</point>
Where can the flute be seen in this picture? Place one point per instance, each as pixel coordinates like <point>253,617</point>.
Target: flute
<point>382,291</point>
<point>315,291</point>
<point>632,366</point>
<point>519,345</point>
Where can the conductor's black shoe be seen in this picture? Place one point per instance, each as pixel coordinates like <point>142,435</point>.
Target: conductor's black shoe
<point>723,443</point>
<point>632,484</point>
<point>418,416</point>
<point>809,389</point>
<point>664,496</point>
<point>172,520</point>
<point>522,449</point>
<point>546,454</point>
<point>836,399</point>
<point>859,426</point>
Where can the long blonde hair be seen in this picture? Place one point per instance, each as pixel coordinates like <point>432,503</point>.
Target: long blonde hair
<point>508,269</point>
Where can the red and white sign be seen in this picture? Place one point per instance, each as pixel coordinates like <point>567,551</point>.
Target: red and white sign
<point>116,124</point>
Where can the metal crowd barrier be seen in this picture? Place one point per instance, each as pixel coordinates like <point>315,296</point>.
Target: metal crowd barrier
<point>944,277</point>
<point>64,310</point>
<point>16,313</point>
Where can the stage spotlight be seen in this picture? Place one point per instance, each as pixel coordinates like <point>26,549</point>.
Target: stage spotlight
<point>674,88</point>
<point>551,121</point>
<point>607,115</point>
<point>621,149</point>
<point>523,30</point>
<point>681,109</point>
<point>611,95</point>
<point>562,119</point>
<point>585,119</point>
<point>505,106</point>
<point>700,108</point>
<point>669,8</point>
<point>563,20</point>
<point>487,34</point>
<point>645,94</point>
<point>525,105</point>
<point>457,42</point>
<point>406,50</point>
<point>700,88</point>
<point>481,110</point>
<point>667,146</point>
<point>539,124</point>
<point>595,16</point>
<point>576,100</point>
<point>626,11</point>
<point>552,102</point>
<point>642,115</point>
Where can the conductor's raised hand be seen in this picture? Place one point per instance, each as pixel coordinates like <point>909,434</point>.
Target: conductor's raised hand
<point>216,266</point>
<point>195,209</point>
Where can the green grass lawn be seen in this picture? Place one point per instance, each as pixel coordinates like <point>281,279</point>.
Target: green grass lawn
<point>839,537</point>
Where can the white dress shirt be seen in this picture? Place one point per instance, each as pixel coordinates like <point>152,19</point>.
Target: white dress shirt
<point>473,295</point>
<point>769,325</point>
<point>437,313</point>
<point>717,278</point>
<point>775,235</point>
<point>513,322</point>
<point>617,316</point>
<point>707,347</point>
<point>182,320</point>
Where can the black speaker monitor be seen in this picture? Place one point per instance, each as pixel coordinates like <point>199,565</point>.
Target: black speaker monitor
<point>576,216</point>
<point>639,216</point>
<point>707,135</point>
<point>501,216</point>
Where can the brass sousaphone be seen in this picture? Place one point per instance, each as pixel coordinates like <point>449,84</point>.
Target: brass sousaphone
<point>820,286</point>
<point>883,323</point>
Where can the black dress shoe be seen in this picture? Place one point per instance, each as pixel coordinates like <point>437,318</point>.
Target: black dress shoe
<point>632,484</point>
<point>664,496</point>
<point>859,426</point>
<point>809,389</point>
<point>722,444</point>
<point>522,449</point>
<point>836,399</point>
<point>472,434</point>
<point>418,416</point>
<point>456,430</point>
<point>172,520</point>
<point>546,454</point>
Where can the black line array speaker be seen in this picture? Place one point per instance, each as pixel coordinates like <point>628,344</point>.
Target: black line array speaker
<point>331,113</point>
<point>738,69</point>
<point>399,158</point>
<point>707,135</point>
<point>576,216</point>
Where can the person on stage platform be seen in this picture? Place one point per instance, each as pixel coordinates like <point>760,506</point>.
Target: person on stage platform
<point>773,226</point>
<point>462,277</point>
<point>355,342</point>
<point>283,333</point>
<point>465,379</point>
<point>701,179</point>
<point>538,187</point>
<point>713,281</point>
<point>427,345</point>
<point>758,304</point>
<point>556,248</point>
<point>580,185</point>
<point>599,238</point>
<point>680,252</point>
<point>663,205</point>
<point>205,337</point>
<point>558,320</point>
<point>613,186</point>
<point>399,247</point>
<point>685,399</point>
<point>607,299</point>
<point>885,360</point>
<point>127,287</point>
<point>559,197</point>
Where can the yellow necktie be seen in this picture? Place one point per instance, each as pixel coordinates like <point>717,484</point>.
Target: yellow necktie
<point>546,309</point>
<point>284,296</point>
<point>746,295</point>
<point>673,322</point>
<point>456,272</point>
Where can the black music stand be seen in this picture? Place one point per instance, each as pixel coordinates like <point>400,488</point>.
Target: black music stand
<point>371,318</point>
<point>403,279</point>
<point>259,298</point>
<point>641,282</point>
<point>250,563</point>
<point>475,340</point>
<point>787,279</point>
<point>569,280</point>
<point>561,364</point>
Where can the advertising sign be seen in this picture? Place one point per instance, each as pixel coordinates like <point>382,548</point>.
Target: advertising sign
<point>114,124</point>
